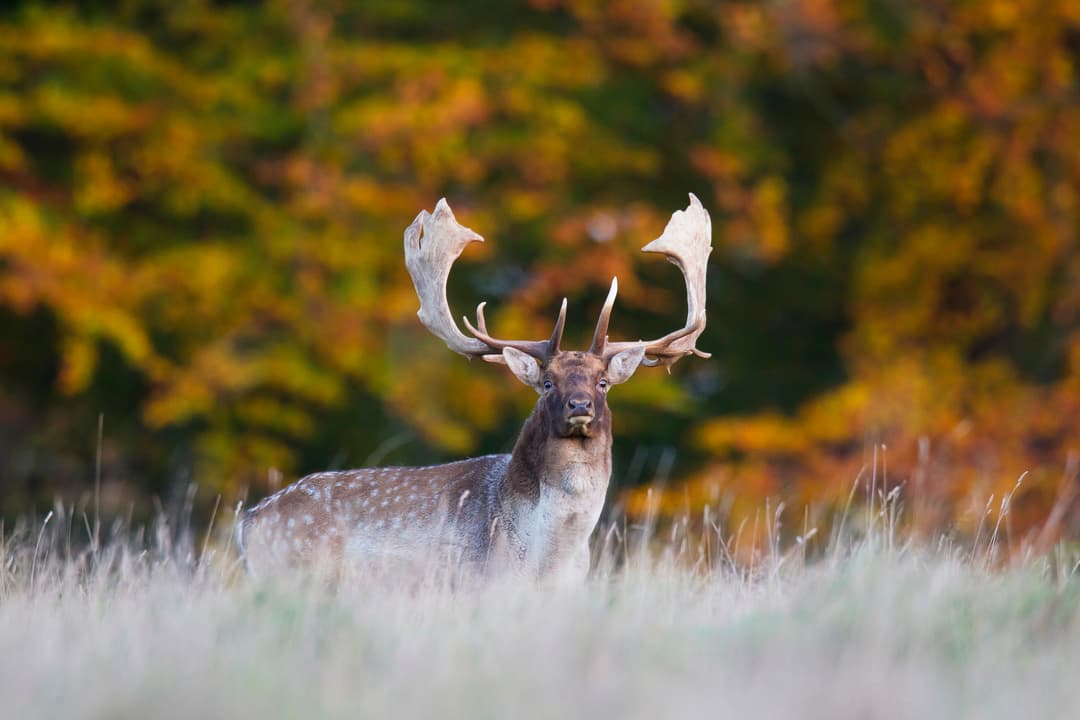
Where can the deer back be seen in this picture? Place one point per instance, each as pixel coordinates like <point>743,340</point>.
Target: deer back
<point>375,512</point>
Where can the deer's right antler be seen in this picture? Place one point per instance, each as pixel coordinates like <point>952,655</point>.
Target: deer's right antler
<point>432,243</point>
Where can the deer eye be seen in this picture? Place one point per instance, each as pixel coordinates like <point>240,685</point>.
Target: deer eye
<point>603,384</point>
<point>548,385</point>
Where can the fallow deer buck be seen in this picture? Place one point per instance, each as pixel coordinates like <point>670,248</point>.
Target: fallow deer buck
<point>531,511</point>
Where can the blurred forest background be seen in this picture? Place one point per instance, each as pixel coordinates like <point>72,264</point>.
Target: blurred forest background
<point>202,206</point>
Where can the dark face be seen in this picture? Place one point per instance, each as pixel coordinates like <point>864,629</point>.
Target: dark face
<point>573,390</point>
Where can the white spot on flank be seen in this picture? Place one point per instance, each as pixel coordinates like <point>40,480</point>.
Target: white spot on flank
<point>290,523</point>
<point>308,520</point>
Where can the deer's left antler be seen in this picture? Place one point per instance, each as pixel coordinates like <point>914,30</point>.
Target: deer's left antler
<point>686,242</point>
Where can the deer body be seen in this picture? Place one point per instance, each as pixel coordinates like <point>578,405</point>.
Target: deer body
<point>530,512</point>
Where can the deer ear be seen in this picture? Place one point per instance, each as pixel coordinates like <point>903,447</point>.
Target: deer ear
<point>524,366</point>
<point>622,365</point>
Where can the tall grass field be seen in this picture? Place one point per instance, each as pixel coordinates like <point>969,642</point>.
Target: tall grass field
<point>164,625</point>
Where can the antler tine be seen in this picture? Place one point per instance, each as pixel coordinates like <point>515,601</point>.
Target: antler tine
<point>542,350</point>
<point>556,334</point>
<point>686,242</point>
<point>599,339</point>
<point>432,243</point>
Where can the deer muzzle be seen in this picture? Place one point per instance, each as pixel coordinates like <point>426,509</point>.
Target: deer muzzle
<point>579,414</point>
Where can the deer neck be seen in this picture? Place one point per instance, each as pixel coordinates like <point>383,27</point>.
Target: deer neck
<point>552,495</point>
<point>574,466</point>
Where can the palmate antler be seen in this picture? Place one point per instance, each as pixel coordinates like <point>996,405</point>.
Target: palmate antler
<point>435,240</point>
<point>686,242</point>
<point>432,243</point>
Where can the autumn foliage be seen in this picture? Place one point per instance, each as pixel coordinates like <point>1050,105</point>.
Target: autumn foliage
<point>201,209</point>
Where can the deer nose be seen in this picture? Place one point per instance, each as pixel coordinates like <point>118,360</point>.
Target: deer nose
<point>579,405</point>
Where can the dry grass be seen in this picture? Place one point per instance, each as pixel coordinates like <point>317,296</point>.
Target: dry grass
<point>875,629</point>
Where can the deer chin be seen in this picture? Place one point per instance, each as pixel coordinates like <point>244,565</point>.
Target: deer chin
<point>579,426</point>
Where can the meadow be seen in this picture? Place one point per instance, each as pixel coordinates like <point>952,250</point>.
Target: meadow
<point>164,624</point>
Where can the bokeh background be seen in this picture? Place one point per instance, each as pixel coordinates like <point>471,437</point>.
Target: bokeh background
<point>202,206</point>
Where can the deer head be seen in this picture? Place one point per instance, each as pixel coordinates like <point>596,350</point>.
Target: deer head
<point>572,385</point>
